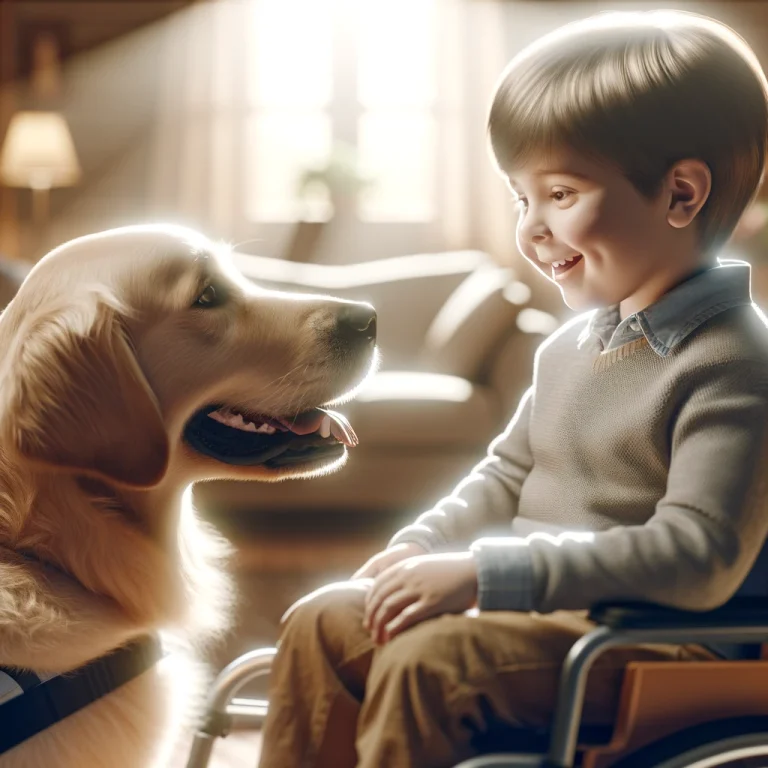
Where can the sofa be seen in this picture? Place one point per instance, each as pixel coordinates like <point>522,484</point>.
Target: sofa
<point>457,334</point>
<point>12,274</point>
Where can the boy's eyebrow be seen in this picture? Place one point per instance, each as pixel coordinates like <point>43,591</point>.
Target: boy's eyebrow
<point>551,172</point>
<point>561,172</point>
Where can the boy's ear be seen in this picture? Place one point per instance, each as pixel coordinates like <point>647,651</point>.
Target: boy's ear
<point>688,185</point>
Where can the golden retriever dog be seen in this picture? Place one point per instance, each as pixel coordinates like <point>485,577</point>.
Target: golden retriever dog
<point>134,363</point>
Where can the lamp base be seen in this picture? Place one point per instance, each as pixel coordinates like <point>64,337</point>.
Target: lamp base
<point>40,205</point>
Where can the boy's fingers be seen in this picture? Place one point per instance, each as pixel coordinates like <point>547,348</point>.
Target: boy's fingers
<point>378,564</point>
<point>384,585</point>
<point>412,614</point>
<point>388,610</point>
<point>373,566</point>
<point>363,572</point>
<point>372,605</point>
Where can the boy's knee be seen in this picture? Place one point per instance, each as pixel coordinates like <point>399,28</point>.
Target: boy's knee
<point>337,605</point>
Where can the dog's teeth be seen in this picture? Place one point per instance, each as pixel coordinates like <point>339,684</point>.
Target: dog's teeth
<point>231,418</point>
<point>218,416</point>
<point>325,427</point>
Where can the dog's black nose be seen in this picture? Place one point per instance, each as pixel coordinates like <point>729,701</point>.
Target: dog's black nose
<point>357,322</point>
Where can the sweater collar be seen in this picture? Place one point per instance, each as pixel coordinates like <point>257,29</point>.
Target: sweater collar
<point>678,313</point>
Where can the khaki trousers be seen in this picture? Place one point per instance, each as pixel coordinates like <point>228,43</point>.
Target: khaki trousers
<point>338,701</point>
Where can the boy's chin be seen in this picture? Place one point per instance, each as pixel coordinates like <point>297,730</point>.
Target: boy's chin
<point>578,301</point>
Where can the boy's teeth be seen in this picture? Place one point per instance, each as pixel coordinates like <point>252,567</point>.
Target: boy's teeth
<point>565,261</point>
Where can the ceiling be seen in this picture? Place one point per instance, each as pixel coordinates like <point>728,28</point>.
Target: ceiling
<point>78,25</point>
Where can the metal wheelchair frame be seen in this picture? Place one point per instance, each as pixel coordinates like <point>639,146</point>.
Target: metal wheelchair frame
<point>743,620</point>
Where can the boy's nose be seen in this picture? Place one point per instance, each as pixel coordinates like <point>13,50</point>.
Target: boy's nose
<point>532,227</point>
<point>535,232</point>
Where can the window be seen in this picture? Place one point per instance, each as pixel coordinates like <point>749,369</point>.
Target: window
<point>324,74</point>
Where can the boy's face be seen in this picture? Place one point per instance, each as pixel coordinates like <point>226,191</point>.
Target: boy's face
<point>615,243</point>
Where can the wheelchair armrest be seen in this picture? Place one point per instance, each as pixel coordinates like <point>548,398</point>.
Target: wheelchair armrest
<point>743,611</point>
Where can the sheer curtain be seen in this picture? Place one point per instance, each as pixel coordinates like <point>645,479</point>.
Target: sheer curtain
<point>253,92</point>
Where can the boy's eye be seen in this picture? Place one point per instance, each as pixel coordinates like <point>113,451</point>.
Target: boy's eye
<point>558,195</point>
<point>521,202</point>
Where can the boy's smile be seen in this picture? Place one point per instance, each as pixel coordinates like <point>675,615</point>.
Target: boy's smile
<point>561,268</point>
<point>586,227</point>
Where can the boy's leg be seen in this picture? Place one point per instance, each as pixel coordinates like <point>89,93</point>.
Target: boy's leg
<point>318,680</point>
<point>438,685</point>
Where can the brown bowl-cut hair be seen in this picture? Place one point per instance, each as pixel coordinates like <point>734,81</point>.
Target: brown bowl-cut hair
<point>641,91</point>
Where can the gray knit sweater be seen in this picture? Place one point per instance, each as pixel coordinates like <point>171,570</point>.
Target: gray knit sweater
<point>638,458</point>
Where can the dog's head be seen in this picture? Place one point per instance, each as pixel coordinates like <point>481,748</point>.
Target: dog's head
<point>141,352</point>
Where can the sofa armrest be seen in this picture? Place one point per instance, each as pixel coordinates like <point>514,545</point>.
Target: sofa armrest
<point>468,330</point>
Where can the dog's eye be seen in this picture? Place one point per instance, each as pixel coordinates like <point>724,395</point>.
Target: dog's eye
<point>210,297</point>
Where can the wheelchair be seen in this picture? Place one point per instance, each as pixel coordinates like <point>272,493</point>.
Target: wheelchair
<point>691,714</point>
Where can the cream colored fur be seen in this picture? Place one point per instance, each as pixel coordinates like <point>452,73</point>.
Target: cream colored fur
<point>102,362</point>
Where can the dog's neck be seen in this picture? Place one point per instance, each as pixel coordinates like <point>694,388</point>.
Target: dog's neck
<point>147,551</point>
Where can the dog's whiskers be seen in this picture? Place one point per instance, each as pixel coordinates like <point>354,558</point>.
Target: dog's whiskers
<point>280,379</point>
<point>247,242</point>
<point>291,403</point>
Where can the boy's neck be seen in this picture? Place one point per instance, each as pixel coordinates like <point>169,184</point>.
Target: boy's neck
<point>662,283</point>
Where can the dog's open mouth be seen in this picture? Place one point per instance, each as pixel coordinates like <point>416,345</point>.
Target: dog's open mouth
<point>234,436</point>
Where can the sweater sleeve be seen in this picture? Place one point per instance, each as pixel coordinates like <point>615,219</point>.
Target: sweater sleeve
<point>486,498</point>
<point>702,540</point>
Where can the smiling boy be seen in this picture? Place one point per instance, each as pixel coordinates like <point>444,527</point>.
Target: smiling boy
<point>634,466</point>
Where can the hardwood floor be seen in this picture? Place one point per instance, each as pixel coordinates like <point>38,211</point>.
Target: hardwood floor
<point>239,750</point>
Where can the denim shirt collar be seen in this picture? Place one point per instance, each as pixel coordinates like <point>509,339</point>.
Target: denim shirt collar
<point>678,313</point>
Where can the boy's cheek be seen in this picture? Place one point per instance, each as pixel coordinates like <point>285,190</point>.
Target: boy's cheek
<point>585,221</point>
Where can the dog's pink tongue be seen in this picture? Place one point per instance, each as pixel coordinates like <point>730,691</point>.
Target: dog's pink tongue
<point>304,423</point>
<point>310,421</point>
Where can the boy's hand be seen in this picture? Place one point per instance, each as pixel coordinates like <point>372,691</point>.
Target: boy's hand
<point>381,561</point>
<point>417,589</point>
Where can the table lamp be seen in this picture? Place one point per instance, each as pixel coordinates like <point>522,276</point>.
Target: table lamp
<point>39,153</point>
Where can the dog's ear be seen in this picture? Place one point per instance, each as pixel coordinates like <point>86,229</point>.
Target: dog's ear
<point>72,397</point>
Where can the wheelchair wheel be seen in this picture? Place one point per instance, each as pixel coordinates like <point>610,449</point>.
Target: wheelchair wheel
<point>737,743</point>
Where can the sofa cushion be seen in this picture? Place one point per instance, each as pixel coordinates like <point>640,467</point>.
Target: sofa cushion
<point>413,409</point>
<point>479,313</point>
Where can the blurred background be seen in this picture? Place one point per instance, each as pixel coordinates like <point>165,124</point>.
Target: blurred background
<point>340,146</point>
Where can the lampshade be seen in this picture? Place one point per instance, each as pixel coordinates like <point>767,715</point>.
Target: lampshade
<point>38,152</point>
